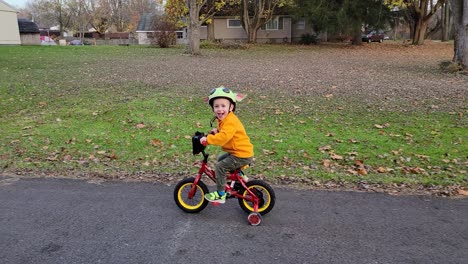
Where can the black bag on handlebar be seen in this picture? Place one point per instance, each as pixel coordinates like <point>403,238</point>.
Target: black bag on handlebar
<point>197,147</point>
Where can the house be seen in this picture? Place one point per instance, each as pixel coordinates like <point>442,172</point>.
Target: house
<point>145,32</point>
<point>29,32</point>
<point>277,30</point>
<point>280,29</point>
<point>9,31</point>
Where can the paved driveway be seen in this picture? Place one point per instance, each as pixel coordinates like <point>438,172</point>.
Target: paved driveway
<point>75,221</point>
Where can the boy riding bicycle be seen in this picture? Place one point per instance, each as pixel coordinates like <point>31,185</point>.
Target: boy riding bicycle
<point>230,134</point>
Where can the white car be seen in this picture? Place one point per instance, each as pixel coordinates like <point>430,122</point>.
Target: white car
<point>48,43</point>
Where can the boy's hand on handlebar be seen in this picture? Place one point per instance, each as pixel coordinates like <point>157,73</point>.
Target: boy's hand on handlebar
<point>203,141</point>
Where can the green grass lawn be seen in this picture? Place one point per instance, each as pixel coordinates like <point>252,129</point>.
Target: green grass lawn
<point>64,111</point>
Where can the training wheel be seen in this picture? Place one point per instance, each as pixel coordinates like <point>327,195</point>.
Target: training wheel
<point>254,219</point>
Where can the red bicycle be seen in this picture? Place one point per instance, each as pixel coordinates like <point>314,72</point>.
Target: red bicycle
<point>255,197</point>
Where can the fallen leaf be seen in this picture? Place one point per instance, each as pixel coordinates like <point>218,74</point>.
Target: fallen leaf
<point>381,170</point>
<point>334,156</point>
<point>422,156</point>
<point>268,152</point>
<point>324,148</point>
<point>140,125</point>
<point>156,142</point>
<point>362,171</point>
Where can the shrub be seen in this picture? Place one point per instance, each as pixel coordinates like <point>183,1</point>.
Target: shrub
<point>164,35</point>
<point>165,38</point>
<point>308,39</point>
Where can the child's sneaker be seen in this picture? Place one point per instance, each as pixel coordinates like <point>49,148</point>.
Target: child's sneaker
<point>214,197</point>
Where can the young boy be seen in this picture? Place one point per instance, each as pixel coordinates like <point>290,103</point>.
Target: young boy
<point>230,135</point>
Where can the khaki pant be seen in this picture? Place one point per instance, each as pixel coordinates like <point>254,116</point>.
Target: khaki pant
<point>227,163</point>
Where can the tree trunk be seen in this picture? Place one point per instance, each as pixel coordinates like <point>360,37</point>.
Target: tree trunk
<point>194,28</point>
<point>252,36</point>
<point>420,32</point>
<point>460,17</point>
<point>246,23</point>
<point>251,23</point>
<point>210,32</point>
<point>423,11</point>
<point>357,38</point>
<point>445,22</point>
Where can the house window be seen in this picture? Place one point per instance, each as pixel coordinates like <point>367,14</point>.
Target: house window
<point>276,23</point>
<point>180,34</point>
<point>234,23</point>
<point>300,24</point>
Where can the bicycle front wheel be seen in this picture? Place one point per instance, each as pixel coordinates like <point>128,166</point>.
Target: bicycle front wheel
<point>264,193</point>
<point>188,204</point>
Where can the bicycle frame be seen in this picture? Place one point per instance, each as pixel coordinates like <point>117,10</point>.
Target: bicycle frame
<point>232,178</point>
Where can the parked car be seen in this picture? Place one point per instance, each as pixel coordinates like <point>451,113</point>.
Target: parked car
<point>373,36</point>
<point>48,43</point>
<point>77,42</point>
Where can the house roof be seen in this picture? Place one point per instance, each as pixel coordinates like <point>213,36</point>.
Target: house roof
<point>4,6</point>
<point>27,26</point>
<point>146,23</point>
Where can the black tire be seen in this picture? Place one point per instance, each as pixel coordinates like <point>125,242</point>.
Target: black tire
<point>264,192</point>
<point>198,201</point>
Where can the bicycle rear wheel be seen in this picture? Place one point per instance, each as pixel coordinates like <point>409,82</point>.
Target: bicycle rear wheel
<point>194,204</point>
<point>265,194</point>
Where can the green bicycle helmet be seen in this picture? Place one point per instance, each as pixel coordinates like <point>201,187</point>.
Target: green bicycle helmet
<point>223,92</point>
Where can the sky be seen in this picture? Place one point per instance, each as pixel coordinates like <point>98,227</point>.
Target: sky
<point>16,3</point>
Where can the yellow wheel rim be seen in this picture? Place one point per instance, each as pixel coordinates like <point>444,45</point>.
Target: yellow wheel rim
<point>183,193</point>
<point>266,194</point>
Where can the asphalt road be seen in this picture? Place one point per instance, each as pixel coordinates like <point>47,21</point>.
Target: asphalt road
<point>74,221</point>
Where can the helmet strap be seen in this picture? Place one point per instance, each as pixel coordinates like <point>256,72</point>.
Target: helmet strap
<point>212,121</point>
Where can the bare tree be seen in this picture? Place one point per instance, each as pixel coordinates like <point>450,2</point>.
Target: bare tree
<point>422,11</point>
<point>80,16</point>
<point>255,14</point>
<point>178,10</point>
<point>49,13</point>
<point>460,17</point>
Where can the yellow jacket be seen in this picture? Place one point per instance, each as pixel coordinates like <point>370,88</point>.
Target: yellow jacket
<point>232,137</point>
